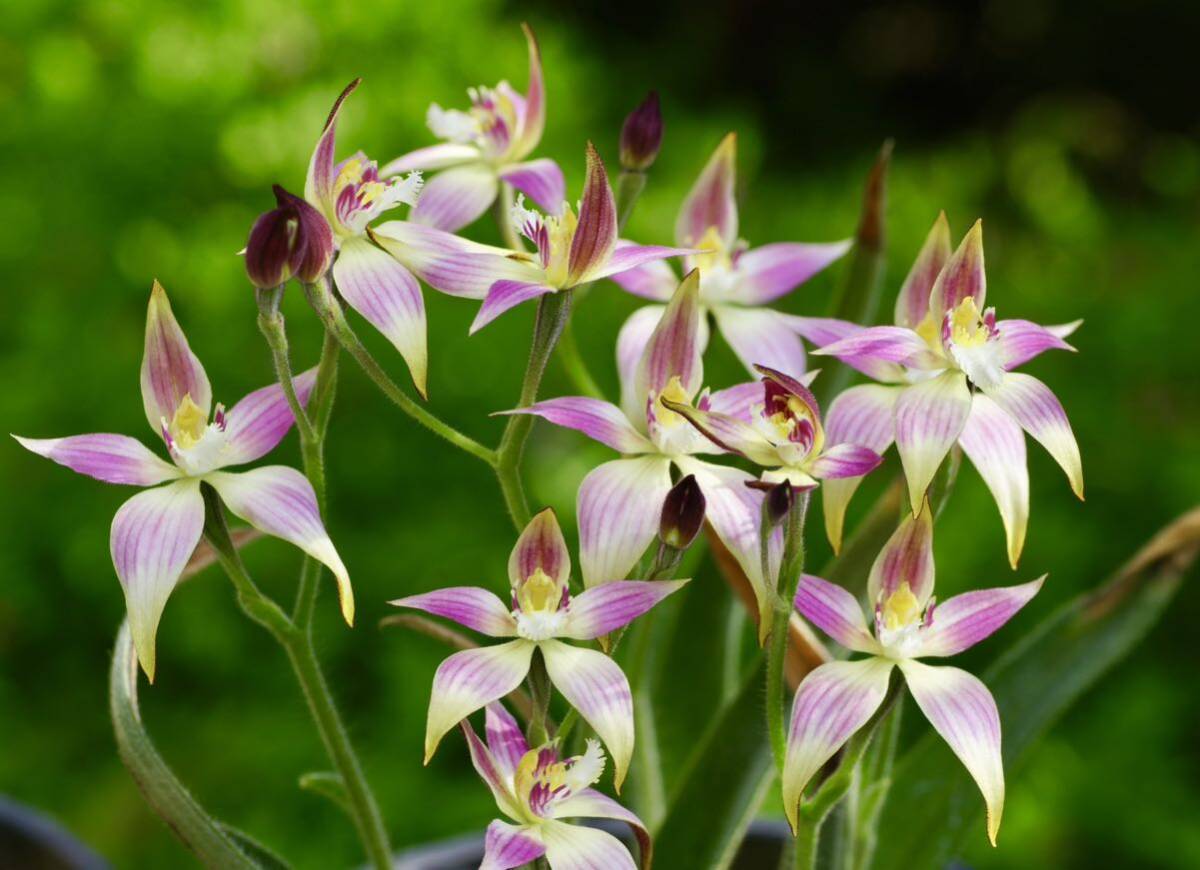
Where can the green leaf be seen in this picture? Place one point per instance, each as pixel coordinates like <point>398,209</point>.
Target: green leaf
<point>263,857</point>
<point>331,785</point>
<point>933,804</point>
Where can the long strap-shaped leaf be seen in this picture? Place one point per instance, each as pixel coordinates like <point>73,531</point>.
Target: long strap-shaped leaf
<point>933,804</point>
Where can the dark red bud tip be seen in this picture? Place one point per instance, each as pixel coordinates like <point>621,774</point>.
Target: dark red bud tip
<point>641,135</point>
<point>293,239</point>
<point>682,514</point>
<point>779,502</point>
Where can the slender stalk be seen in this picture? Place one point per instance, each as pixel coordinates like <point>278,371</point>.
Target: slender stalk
<point>630,184</point>
<point>539,690</point>
<point>270,323</point>
<point>777,644</point>
<point>502,212</point>
<point>876,781</point>
<point>573,364</point>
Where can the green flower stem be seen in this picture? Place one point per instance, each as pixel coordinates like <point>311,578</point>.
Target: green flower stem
<point>270,323</point>
<point>630,185</point>
<point>502,212</point>
<point>876,782</point>
<point>297,643</point>
<point>790,568</point>
<point>540,691</point>
<point>573,364</point>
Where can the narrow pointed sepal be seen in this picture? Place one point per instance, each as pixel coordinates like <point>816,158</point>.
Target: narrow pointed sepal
<point>596,233</point>
<point>710,204</point>
<point>1033,405</point>
<point>907,557</point>
<point>170,370</point>
<point>912,305</point>
<point>962,277</point>
<point>930,416</point>
<point>541,546</point>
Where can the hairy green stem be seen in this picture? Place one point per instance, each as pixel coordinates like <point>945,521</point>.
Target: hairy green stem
<point>270,323</point>
<point>790,568</point>
<point>539,690</point>
<point>630,184</point>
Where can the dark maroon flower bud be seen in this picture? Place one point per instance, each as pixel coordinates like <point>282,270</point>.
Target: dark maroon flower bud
<point>641,135</point>
<point>682,514</point>
<point>779,502</point>
<point>293,239</point>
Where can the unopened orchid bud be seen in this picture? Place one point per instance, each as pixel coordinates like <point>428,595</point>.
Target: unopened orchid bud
<point>641,135</point>
<point>682,514</point>
<point>779,502</point>
<point>293,239</point>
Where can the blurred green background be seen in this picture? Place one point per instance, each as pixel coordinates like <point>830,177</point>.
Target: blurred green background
<point>140,139</point>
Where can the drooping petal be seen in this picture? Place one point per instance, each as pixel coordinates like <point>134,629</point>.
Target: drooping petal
<point>389,297</point>
<point>456,197</point>
<point>318,186</point>
<point>761,336</point>
<point>774,270</point>
<point>845,460</point>
<point>652,280</point>
<point>574,847</point>
<point>619,505</point>
<point>892,344</point>
<point>505,740</point>
<point>673,350</point>
<point>963,275</point>
<point>631,256</point>
<point>596,233</point>
<point>836,612</point>
<point>833,702</point>
<point>1022,340</point>
<point>907,557</point>
<point>962,710</point>
<point>441,156</point>
<point>995,444</point>
<point>541,545</point>
<point>502,296</point>
<point>260,420</point>
<point>824,331</point>
<point>506,846</point>
<point>596,418</point>
<point>490,772</point>
<point>729,432</point>
<point>111,458</point>
<point>859,415</point>
<point>912,305</point>
<point>541,180</point>
<point>280,501</point>
<point>170,370</point>
<point>609,606</point>
<point>591,804</point>
<point>471,606</point>
<point>1037,409</point>
<point>533,112</point>
<point>153,536</point>
<point>929,418</point>
<point>710,202</point>
<point>964,620</point>
<point>595,685</point>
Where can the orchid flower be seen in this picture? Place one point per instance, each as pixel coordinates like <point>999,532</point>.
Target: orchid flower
<point>571,249</point>
<point>537,790</point>
<point>736,282</point>
<point>619,502</point>
<point>542,613</point>
<point>155,532</point>
<point>839,697</point>
<point>483,147</point>
<point>948,368</point>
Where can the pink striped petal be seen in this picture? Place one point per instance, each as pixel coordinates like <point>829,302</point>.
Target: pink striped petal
<point>596,233</point>
<point>673,350</point>
<point>860,415</point>
<point>963,275</point>
<point>260,420</point>
<point>824,331</point>
<point>833,702</point>
<point>389,297</point>
<point>111,458</point>
<point>912,305</point>
<point>470,680</point>
<point>766,273</point>
<point>963,711</point>
<point>541,180</point>
<point>1037,409</point>
<point>710,203</point>
<point>432,157</point>
<point>609,606</point>
<point>631,345</point>
<point>653,280</point>
<point>451,264</point>
<point>730,433</point>
<point>502,296</point>
<point>964,620</point>
<point>737,401</point>
<point>532,110</point>
<point>471,606</point>
<point>893,344</point>
<point>574,847</point>
<point>760,336</point>
<point>591,804</point>
<point>929,418</point>
<point>995,444</point>
<point>907,557</point>
<point>153,536</point>
<point>170,370</point>
<point>599,420</point>
<point>1022,340</point>
<point>456,197</point>
<point>318,186</point>
<point>836,612</point>
<point>491,773</point>
<point>541,545</point>
<point>505,740</point>
<point>845,460</point>
<point>1065,330</point>
<point>619,506</point>
<point>506,846</point>
<point>280,501</point>
<point>594,685</point>
<point>632,256</point>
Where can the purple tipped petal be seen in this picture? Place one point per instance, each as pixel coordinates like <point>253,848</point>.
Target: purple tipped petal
<point>389,297</point>
<point>600,420</point>
<point>1037,409</point>
<point>963,275</point>
<point>596,233</point>
<point>710,202</point>
<point>631,256</point>
<point>831,704</point>
<point>456,197</point>
<point>280,501</point>
<point>574,847</point>
<point>153,536</point>
<point>860,415</point>
<point>652,280</point>
<point>964,620</point>
<point>451,264</point>
<point>318,187</point>
<point>761,336</point>
<point>737,401</point>
<point>775,270</point>
<point>892,344</point>
<point>618,507</point>
<point>441,156</point>
<point>506,846</point>
<point>533,111</point>
<point>962,710</point>
<point>594,685</point>
<point>912,305</point>
<point>490,772</point>
<point>111,458</point>
<point>260,420</point>
<point>824,331</point>
<point>541,545</point>
<point>845,460</point>
<point>170,370</point>
<point>907,557</point>
<point>471,606</point>
<point>929,418</point>
<point>591,804</point>
<point>1022,340</point>
<point>541,180</point>
<point>504,295</point>
<point>609,606</point>
<point>995,444</point>
<point>836,612</point>
<point>505,740</point>
<point>674,350</point>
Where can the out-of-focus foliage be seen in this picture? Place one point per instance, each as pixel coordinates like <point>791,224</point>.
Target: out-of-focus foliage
<point>139,142</point>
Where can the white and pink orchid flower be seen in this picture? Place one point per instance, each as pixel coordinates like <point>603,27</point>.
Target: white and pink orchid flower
<point>541,613</point>
<point>947,372</point>
<point>736,282</point>
<point>155,532</point>
<point>840,697</point>
<point>538,790</point>
<point>484,146</point>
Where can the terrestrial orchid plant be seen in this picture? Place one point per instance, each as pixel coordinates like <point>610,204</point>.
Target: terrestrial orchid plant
<point>546,667</point>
